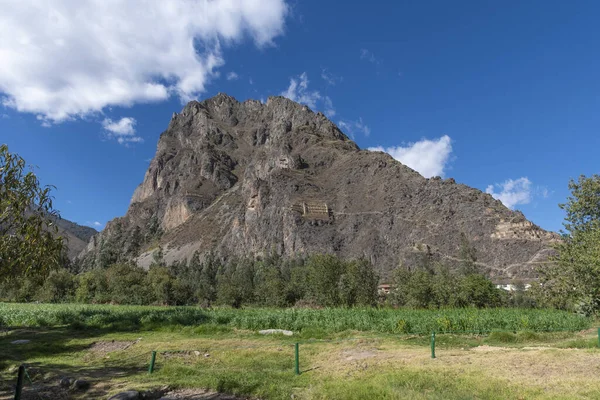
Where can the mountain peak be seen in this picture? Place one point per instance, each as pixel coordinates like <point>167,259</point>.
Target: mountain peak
<point>242,179</point>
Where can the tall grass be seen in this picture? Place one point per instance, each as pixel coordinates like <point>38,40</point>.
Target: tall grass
<point>400,321</point>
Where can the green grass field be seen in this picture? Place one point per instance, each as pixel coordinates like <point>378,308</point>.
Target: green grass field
<point>344,353</point>
<point>327,321</point>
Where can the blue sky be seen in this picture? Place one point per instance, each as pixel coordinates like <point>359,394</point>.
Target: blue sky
<point>503,97</point>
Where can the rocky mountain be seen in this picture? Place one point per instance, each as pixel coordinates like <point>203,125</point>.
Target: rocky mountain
<point>249,178</point>
<point>77,236</point>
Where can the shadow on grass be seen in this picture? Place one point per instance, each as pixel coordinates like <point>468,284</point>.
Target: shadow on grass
<point>309,369</point>
<point>51,345</point>
<point>43,380</point>
<point>43,342</point>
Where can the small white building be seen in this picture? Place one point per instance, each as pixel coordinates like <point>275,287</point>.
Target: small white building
<point>509,287</point>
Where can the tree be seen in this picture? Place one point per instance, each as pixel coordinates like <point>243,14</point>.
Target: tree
<point>269,284</point>
<point>58,287</point>
<point>295,274</point>
<point>29,241</point>
<point>572,281</point>
<point>135,242</point>
<point>440,287</point>
<point>196,280</point>
<point>359,283</point>
<point>235,283</point>
<point>207,283</point>
<point>160,285</point>
<point>92,287</point>
<point>126,284</point>
<point>476,290</point>
<point>323,279</point>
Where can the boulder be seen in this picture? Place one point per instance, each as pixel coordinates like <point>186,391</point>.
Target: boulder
<point>276,331</point>
<point>128,395</point>
<point>81,384</point>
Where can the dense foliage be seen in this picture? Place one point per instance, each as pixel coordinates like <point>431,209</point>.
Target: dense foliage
<point>28,242</point>
<point>573,281</point>
<point>433,285</point>
<point>440,287</point>
<point>315,281</point>
<point>307,321</point>
<point>319,280</point>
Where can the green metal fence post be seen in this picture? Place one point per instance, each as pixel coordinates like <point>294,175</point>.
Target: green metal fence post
<point>19,388</point>
<point>433,344</point>
<point>598,337</point>
<point>297,359</point>
<point>152,361</point>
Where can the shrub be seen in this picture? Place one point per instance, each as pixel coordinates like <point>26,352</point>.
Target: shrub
<point>58,287</point>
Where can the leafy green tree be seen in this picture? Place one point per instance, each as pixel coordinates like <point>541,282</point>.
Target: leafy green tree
<point>29,241</point>
<point>400,278</point>
<point>445,287</point>
<point>323,279</point>
<point>207,284</point>
<point>359,283</point>
<point>161,285</point>
<point>235,283</point>
<point>476,290</point>
<point>295,276</point>
<point>572,281</point>
<point>269,285</point>
<point>419,289</point>
<point>440,287</point>
<point>22,290</point>
<point>92,287</point>
<point>126,284</point>
<point>58,287</point>
<point>196,280</point>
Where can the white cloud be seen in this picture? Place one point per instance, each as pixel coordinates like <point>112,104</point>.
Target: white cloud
<point>330,78</point>
<point>370,57</point>
<point>353,127</point>
<point>512,192</point>
<point>64,59</point>
<point>298,92</point>
<point>125,126</point>
<point>94,224</point>
<point>122,130</point>
<point>427,157</point>
<point>329,110</point>
<point>232,76</point>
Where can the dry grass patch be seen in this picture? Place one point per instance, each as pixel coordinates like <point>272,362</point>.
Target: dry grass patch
<point>566,373</point>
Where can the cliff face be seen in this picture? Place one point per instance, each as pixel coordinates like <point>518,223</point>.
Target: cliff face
<point>246,179</point>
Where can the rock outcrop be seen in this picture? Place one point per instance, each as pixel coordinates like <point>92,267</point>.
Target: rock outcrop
<point>247,179</point>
